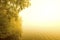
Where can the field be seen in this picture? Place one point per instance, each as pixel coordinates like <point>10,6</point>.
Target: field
<point>41,34</point>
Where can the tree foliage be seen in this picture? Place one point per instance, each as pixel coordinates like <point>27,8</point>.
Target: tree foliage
<point>9,21</point>
<point>14,4</point>
<point>11,8</point>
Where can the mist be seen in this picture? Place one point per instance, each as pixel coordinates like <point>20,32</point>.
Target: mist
<point>41,21</point>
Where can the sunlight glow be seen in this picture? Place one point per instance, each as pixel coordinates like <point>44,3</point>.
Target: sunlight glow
<point>42,14</point>
<point>41,20</point>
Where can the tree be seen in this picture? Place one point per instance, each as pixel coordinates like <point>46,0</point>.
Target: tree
<point>10,24</point>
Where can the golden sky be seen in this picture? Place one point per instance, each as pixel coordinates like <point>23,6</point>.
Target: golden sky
<point>42,16</point>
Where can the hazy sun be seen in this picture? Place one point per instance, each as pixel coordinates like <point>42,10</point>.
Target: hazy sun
<point>42,14</point>
<point>41,20</point>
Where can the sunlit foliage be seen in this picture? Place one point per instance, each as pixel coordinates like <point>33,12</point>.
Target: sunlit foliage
<point>10,23</point>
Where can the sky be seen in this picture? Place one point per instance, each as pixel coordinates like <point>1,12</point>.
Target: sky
<point>43,16</point>
<point>42,12</point>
